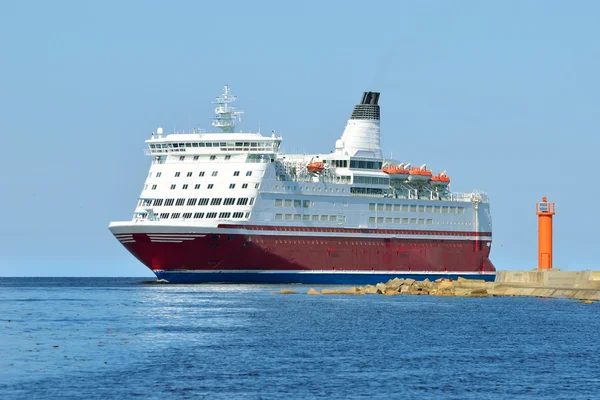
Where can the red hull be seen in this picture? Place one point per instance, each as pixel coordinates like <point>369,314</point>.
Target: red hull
<point>289,252</point>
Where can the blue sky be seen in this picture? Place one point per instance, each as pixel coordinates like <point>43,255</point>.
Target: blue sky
<point>503,95</point>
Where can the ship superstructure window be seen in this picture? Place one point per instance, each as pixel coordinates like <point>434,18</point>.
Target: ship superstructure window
<point>297,203</point>
<point>236,173</point>
<point>169,202</point>
<point>211,215</point>
<point>201,173</point>
<point>251,200</point>
<point>365,164</point>
<point>203,201</point>
<point>372,180</point>
<point>339,163</point>
<point>164,215</point>
<point>229,201</point>
<point>224,215</point>
<point>157,202</point>
<point>242,201</point>
<point>278,203</point>
<point>227,158</point>
<point>153,187</point>
<point>180,202</point>
<point>173,186</point>
<point>185,186</point>
<point>232,186</point>
<point>278,216</point>
<point>197,186</point>
<point>257,186</point>
<point>216,201</point>
<point>175,215</point>
<point>210,186</point>
<point>215,173</point>
<point>158,174</point>
<point>198,215</point>
<point>196,157</point>
<point>238,215</point>
<point>288,203</point>
<point>248,173</point>
<point>187,215</point>
<point>297,217</point>
<point>191,202</point>
<point>413,208</point>
<point>288,217</point>
<point>189,174</point>
<point>181,158</point>
<point>212,158</point>
<point>461,210</point>
<point>245,186</point>
<point>177,174</point>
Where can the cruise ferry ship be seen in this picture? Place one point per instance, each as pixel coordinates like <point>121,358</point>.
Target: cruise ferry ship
<point>231,207</point>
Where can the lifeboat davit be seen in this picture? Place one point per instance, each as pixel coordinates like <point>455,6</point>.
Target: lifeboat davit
<point>440,179</point>
<point>315,167</point>
<point>396,172</point>
<point>419,174</point>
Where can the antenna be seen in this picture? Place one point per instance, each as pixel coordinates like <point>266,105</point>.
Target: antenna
<point>226,114</point>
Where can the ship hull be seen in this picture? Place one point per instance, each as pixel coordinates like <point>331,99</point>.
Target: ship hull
<point>328,257</point>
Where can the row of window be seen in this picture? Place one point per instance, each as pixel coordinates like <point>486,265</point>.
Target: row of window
<point>371,180</point>
<point>201,173</point>
<point>416,208</point>
<point>197,186</point>
<point>365,164</point>
<point>204,201</point>
<point>307,217</point>
<point>413,221</point>
<point>210,144</point>
<point>292,203</point>
<point>307,188</point>
<point>199,215</point>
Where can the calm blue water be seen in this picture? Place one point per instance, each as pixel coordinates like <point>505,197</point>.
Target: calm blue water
<point>116,338</point>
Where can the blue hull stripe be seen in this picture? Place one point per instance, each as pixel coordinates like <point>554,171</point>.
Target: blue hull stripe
<point>321,278</point>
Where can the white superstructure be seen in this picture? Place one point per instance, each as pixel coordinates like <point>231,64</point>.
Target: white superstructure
<point>206,179</point>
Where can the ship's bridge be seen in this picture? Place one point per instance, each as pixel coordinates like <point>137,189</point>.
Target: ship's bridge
<point>212,143</point>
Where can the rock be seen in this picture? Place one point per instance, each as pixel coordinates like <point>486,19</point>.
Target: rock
<point>479,293</point>
<point>585,302</point>
<point>286,291</point>
<point>381,288</point>
<point>443,287</point>
<point>313,292</point>
<point>391,292</point>
<point>369,289</point>
<point>409,281</point>
<point>395,283</point>
<point>353,290</point>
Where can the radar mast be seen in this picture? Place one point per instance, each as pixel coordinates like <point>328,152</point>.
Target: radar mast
<point>226,114</point>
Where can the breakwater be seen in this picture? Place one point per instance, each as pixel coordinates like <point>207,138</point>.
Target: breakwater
<point>550,283</point>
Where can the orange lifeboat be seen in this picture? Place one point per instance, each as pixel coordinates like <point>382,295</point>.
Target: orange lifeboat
<point>397,172</point>
<point>315,167</point>
<point>440,179</point>
<point>419,174</point>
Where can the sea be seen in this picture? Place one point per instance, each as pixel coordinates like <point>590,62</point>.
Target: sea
<point>107,338</point>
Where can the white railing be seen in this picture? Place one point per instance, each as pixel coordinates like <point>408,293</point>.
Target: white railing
<point>469,197</point>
